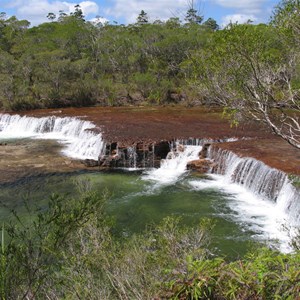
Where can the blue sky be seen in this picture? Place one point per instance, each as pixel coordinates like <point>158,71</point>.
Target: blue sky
<point>126,11</point>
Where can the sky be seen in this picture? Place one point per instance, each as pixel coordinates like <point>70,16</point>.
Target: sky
<point>126,11</point>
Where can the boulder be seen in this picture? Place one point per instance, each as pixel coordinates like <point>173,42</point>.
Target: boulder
<point>200,165</point>
<point>114,152</point>
<point>90,162</point>
<point>180,148</point>
<point>203,152</point>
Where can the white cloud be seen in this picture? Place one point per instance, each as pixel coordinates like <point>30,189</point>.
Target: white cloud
<point>127,10</point>
<point>246,6</point>
<point>36,10</point>
<point>243,10</point>
<point>87,7</point>
<point>237,18</point>
<point>163,9</point>
<point>99,20</point>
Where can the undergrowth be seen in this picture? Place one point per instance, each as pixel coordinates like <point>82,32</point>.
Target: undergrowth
<point>69,251</point>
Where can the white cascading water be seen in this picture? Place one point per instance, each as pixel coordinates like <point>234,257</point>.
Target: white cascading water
<point>174,166</point>
<point>251,173</point>
<point>79,141</point>
<point>262,197</point>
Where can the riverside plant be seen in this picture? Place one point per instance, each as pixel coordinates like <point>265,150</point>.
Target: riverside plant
<point>263,274</point>
<point>70,251</point>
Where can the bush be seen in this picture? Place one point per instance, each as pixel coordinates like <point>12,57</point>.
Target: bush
<point>33,256</point>
<point>68,251</point>
<point>264,274</point>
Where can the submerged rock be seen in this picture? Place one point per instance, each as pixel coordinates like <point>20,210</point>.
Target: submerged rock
<point>200,165</point>
<point>204,151</point>
<point>91,162</point>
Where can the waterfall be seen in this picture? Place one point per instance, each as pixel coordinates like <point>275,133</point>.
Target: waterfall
<point>79,139</point>
<point>265,182</point>
<point>251,173</point>
<point>131,157</point>
<point>260,198</point>
<point>289,201</point>
<point>174,166</point>
<point>181,152</point>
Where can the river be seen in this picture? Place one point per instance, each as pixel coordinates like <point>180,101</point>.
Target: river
<point>138,197</point>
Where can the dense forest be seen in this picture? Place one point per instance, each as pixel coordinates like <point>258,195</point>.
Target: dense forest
<point>250,70</point>
<point>72,62</point>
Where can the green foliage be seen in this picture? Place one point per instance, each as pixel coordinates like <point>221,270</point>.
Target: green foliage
<point>286,15</point>
<point>67,250</point>
<point>32,255</point>
<point>264,274</point>
<point>70,62</point>
<point>192,17</point>
<point>211,24</point>
<point>249,70</point>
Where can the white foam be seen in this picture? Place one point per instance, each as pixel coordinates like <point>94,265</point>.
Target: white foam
<point>258,214</point>
<point>174,166</point>
<point>74,133</point>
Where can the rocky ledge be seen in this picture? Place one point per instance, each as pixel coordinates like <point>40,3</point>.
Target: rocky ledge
<point>143,127</point>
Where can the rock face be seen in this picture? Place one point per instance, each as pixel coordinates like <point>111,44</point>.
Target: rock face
<point>133,124</point>
<point>204,151</point>
<point>136,155</point>
<point>200,165</point>
<point>145,155</point>
<point>90,163</point>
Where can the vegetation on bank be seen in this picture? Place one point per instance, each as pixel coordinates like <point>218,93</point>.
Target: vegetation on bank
<point>70,61</point>
<point>70,251</point>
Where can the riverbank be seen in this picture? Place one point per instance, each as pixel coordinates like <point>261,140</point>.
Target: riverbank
<point>27,157</point>
<point>130,125</point>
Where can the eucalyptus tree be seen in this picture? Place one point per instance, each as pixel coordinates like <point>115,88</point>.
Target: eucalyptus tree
<point>192,16</point>
<point>250,71</point>
<point>51,16</point>
<point>211,23</point>
<point>142,18</point>
<point>286,15</point>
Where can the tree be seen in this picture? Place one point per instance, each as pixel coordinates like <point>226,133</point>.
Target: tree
<point>2,16</point>
<point>286,15</point>
<point>192,17</point>
<point>78,12</point>
<point>142,18</point>
<point>62,15</point>
<point>211,24</point>
<point>173,23</point>
<point>7,72</point>
<point>249,70</point>
<point>51,16</point>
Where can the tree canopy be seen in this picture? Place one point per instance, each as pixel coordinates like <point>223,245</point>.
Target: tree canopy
<point>247,69</point>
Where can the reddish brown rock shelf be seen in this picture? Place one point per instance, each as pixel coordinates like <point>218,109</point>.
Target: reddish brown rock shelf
<point>133,124</point>
<point>273,152</point>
